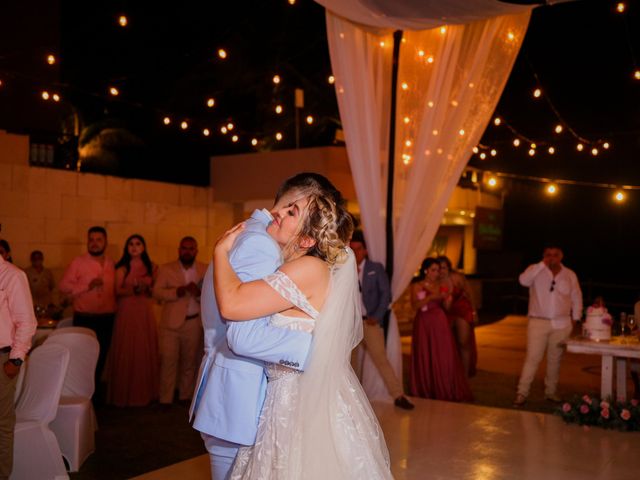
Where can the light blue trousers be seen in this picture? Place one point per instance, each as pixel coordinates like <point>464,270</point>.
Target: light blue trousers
<point>221,455</point>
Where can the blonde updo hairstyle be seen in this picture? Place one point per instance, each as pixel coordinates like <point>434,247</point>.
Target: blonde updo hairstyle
<point>328,223</point>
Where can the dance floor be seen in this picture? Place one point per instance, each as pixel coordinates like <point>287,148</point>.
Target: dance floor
<point>442,440</point>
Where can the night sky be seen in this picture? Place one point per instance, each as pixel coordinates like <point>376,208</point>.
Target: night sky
<point>165,63</point>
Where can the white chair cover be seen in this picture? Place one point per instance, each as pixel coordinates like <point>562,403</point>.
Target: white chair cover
<point>75,423</point>
<point>72,329</point>
<point>36,453</point>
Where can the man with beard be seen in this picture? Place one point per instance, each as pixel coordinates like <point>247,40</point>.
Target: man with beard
<point>90,283</point>
<point>180,331</point>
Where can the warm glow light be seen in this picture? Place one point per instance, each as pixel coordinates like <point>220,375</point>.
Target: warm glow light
<point>461,131</point>
<point>230,126</point>
<point>184,125</point>
<point>234,138</point>
<point>435,132</point>
<point>594,151</point>
<point>406,159</point>
<point>332,79</point>
<point>497,121</point>
<point>123,21</point>
<point>619,196</point>
<point>405,86</point>
<point>166,120</point>
<point>206,132</point>
<point>494,152</point>
<point>532,152</point>
<point>382,44</point>
<point>475,150</point>
<point>580,147</point>
<point>276,79</point>
<point>254,141</point>
<point>621,7</point>
<point>211,102</point>
<point>483,156</point>
<point>558,128</point>
<point>406,120</point>
<point>278,136</point>
<point>511,36</point>
<point>463,212</point>
<point>222,53</point>
<point>0,83</point>
<point>552,189</point>
<point>310,119</point>
<point>278,109</point>
<point>606,145</point>
<point>114,91</point>
<point>537,93</point>
<point>430,59</point>
<point>421,53</point>
<point>45,95</point>
<point>408,143</point>
<point>224,130</point>
<point>492,182</point>
<point>516,142</point>
<point>443,30</point>
<point>533,145</point>
<point>56,97</point>
<point>636,74</point>
<point>430,104</point>
<point>51,59</point>
<point>292,2</point>
<point>552,150</point>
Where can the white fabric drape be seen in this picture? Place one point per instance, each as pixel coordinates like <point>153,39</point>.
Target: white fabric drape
<point>449,82</point>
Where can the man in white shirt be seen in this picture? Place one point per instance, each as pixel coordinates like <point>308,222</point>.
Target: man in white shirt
<point>555,299</point>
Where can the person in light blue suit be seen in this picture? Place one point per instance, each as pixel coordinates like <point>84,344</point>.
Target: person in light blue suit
<point>231,383</point>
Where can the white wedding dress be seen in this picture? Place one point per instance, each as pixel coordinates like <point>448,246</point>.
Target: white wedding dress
<point>318,424</point>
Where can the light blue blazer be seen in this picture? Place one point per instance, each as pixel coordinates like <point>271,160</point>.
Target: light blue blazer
<point>231,382</point>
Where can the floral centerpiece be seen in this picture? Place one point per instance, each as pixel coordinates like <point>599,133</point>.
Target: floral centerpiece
<point>588,410</point>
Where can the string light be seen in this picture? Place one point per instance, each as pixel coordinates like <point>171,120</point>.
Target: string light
<point>254,141</point>
<point>45,95</point>
<point>580,147</point>
<point>51,59</point>
<point>619,196</point>
<point>222,53</point>
<point>408,143</point>
<point>558,128</point>
<point>492,182</point>
<point>206,132</point>
<point>184,125</point>
<point>461,132</point>
<point>421,53</point>
<point>278,136</point>
<point>123,21</point>
<point>483,156</point>
<point>166,120</point>
<point>382,44</point>
<point>211,102</point>
<point>494,152</point>
<point>511,36</point>
<point>516,142</point>
<point>114,91</point>
<point>443,30</point>
<point>636,74</point>
<point>234,139</point>
<point>276,79</point>
<point>475,150</point>
<point>331,79</point>
<point>594,151</point>
<point>537,93</point>
<point>552,189</point>
<point>406,120</point>
<point>405,86</point>
<point>621,7</point>
<point>497,121</point>
<point>606,145</point>
<point>533,145</point>
<point>430,59</point>
<point>292,2</point>
<point>406,159</point>
<point>224,130</point>
<point>552,150</point>
<point>278,109</point>
<point>309,119</point>
<point>230,126</point>
<point>56,97</point>
<point>532,152</point>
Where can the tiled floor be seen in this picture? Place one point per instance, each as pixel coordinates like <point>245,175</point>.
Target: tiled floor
<point>442,440</point>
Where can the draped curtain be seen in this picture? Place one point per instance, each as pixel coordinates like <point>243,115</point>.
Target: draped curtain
<point>450,79</point>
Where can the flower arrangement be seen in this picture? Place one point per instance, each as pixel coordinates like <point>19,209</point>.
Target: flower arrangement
<point>588,410</point>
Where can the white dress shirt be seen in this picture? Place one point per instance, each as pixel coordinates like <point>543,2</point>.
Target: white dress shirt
<point>558,299</point>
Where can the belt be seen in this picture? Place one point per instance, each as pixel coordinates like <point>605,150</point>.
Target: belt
<point>191,317</point>
<point>5,349</point>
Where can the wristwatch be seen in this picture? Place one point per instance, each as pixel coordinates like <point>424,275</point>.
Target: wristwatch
<point>16,361</point>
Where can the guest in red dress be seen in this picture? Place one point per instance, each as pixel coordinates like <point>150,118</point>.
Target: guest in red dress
<point>436,369</point>
<point>133,358</point>
<point>461,314</point>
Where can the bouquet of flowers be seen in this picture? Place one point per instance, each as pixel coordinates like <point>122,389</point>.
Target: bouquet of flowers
<point>588,410</point>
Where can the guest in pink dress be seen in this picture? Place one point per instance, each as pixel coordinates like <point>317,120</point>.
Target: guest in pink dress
<point>461,314</point>
<point>133,359</point>
<point>436,368</point>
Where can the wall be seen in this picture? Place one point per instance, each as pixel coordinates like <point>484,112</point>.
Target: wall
<point>51,210</point>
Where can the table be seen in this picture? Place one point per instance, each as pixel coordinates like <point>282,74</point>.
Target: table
<point>609,350</point>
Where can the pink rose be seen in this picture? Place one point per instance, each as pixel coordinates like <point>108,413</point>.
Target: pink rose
<point>625,414</point>
<point>586,399</point>
<point>605,413</point>
<point>584,409</point>
<point>566,408</point>
<point>634,402</point>
<point>604,404</point>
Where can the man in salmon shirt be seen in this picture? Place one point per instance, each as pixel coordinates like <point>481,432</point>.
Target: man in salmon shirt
<point>90,283</point>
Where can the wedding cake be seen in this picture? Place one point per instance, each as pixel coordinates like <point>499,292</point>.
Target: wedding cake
<point>597,324</point>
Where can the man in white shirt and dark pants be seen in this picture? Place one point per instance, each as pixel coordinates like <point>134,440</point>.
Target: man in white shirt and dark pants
<point>555,299</point>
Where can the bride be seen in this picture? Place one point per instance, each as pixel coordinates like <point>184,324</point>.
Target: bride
<point>317,424</point>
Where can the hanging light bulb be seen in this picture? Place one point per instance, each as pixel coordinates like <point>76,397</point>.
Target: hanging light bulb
<point>461,132</point>
<point>278,109</point>
<point>475,150</point>
<point>254,141</point>
<point>224,130</point>
<point>516,142</point>
<point>309,120</point>
<point>497,121</point>
<point>278,136</point>
<point>430,59</point>
<point>552,150</point>
<point>421,53</point>
<point>51,59</point>
<point>45,95</point>
<point>443,30</point>
<point>234,139</point>
<point>606,145</point>
<point>552,189</point>
<point>494,152</point>
<point>382,44</point>
<point>492,182</point>
<point>332,79</point>
<point>211,102</point>
<point>537,93</point>
<point>123,21</point>
<point>621,7</point>
<point>166,120</point>
<point>222,53</point>
<point>292,2</point>
<point>406,159</point>
<point>532,152</point>
<point>533,145</point>
<point>184,125</point>
<point>580,147</point>
<point>114,91</point>
<point>511,36</point>
<point>636,74</point>
<point>483,156</point>
<point>230,126</point>
<point>56,97</point>
<point>406,120</point>
<point>408,143</point>
<point>558,128</point>
<point>619,196</point>
<point>594,151</point>
<point>206,132</point>
<point>276,79</point>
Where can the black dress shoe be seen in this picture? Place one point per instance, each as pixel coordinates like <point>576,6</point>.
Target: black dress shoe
<point>402,402</point>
